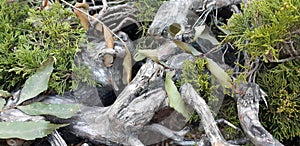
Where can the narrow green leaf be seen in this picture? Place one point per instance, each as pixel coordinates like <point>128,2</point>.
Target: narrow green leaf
<point>63,111</point>
<point>138,56</point>
<point>4,94</point>
<point>38,82</point>
<point>219,73</point>
<point>174,29</point>
<point>187,47</point>
<point>27,130</point>
<point>175,99</point>
<point>2,103</point>
<point>153,54</point>
<point>203,32</point>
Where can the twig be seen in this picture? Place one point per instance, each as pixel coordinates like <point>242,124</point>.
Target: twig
<point>235,9</point>
<point>115,16</point>
<point>286,59</point>
<point>101,13</point>
<point>123,22</point>
<point>227,123</point>
<point>55,139</point>
<point>252,69</point>
<point>212,131</point>
<point>205,14</point>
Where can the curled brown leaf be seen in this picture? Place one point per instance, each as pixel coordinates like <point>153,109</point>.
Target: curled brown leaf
<point>81,16</point>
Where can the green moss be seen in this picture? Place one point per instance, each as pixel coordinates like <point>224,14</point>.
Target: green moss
<point>147,9</point>
<point>228,111</point>
<point>193,73</point>
<point>196,73</point>
<point>29,36</point>
<point>146,12</point>
<point>266,28</point>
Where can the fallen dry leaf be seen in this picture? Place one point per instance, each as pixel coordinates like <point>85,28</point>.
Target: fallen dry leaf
<point>45,5</point>
<point>108,36</point>
<point>127,66</point>
<point>81,16</point>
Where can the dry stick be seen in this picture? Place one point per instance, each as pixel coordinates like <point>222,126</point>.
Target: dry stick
<point>101,13</point>
<point>248,109</point>
<point>286,59</point>
<point>55,139</point>
<point>123,22</point>
<point>212,131</point>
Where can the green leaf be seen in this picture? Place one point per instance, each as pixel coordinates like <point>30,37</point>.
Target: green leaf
<point>175,99</point>
<point>27,130</point>
<point>4,94</point>
<point>203,32</point>
<point>153,54</point>
<point>63,111</point>
<point>2,103</point>
<point>138,56</point>
<point>219,73</point>
<point>187,47</point>
<point>38,82</point>
<point>174,29</point>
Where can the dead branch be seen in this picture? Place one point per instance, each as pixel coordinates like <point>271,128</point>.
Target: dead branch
<point>212,131</point>
<point>248,108</point>
<point>123,121</point>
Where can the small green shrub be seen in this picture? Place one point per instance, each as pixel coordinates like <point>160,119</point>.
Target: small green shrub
<point>267,29</point>
<point>194,73</point>
<point>146,12</point>
<point>29,36</point>
<point>282,86</point>
<point>147,9</point>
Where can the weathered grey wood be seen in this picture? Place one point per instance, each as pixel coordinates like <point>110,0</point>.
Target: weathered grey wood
<point>123,121</point>
<point>11,115</point>
<point>177,11</point>
<point>248,107</point>
<point>175,135</point>
<point>212,131</point>
<point>56,140</point>
<point>170,12</point>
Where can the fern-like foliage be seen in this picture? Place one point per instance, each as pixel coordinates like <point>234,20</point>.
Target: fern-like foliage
<point>267,28</point>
